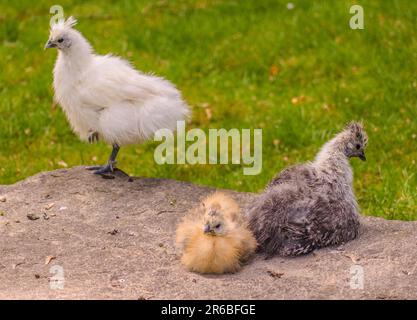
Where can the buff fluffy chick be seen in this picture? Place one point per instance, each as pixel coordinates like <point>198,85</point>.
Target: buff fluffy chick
<point>214,237</point>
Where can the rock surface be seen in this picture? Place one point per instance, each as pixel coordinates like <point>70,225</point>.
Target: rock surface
<point>115,239</point>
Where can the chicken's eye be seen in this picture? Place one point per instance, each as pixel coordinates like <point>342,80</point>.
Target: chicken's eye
<point>217,226</point>
<point>60,40</point>
<point>358,146</point>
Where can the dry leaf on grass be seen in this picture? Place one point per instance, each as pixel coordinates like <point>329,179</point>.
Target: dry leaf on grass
<point>53,105</point>
<point>298,100</point>
<point>209,113</point>
<point>273,72</point>
<point>62,164</point>
<point>276,142</point>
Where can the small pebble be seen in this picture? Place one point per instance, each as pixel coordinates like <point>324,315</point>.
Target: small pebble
<point>49,206</point>
<point>113,232</point>
<point>2,199</point>
<point>32,216</point>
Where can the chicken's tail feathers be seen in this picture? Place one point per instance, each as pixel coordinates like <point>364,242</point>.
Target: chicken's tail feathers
<point>163,114</point>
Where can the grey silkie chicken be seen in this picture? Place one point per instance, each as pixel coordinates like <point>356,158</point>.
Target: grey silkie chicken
<point>311,205</point>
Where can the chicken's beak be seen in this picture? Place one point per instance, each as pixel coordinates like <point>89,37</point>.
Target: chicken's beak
<point>362,156</point>
<point>206,228</point>
<point>49,44</point>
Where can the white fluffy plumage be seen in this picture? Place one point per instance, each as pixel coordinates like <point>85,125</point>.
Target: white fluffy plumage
<point>106,95</point>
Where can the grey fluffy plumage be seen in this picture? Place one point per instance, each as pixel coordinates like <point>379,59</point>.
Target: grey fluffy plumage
<point>311,205</point>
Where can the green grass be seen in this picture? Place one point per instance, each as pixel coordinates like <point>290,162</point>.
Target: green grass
<point>221,55</point>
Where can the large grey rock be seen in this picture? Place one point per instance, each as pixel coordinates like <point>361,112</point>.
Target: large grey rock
<point>115,239</point>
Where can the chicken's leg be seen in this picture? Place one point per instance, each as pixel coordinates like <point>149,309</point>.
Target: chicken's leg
<point>110,166</point>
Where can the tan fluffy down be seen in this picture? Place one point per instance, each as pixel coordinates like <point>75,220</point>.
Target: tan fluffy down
<point>205,253</point>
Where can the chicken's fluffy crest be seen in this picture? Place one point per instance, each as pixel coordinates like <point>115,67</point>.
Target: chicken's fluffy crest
<point>224,203</point>
<point>65,24</point>
<point>62,25</point>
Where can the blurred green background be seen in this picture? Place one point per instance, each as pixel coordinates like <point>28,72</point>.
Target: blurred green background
<point>300,74</point>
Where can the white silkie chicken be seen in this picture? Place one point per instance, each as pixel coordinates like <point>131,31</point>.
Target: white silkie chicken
<point>105,98</point>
